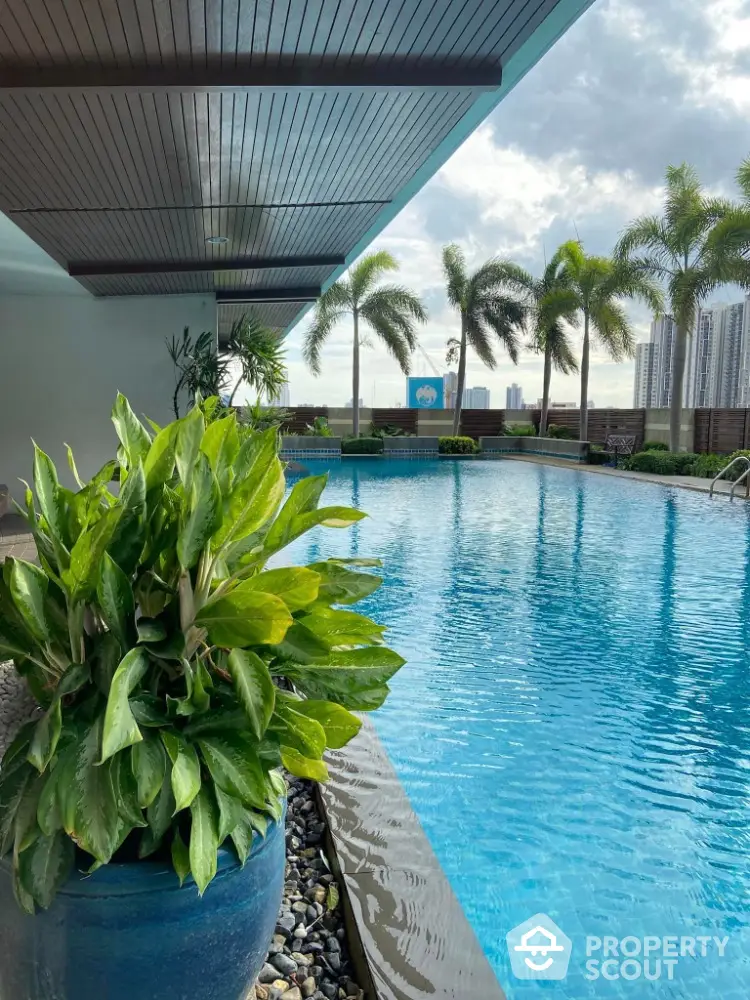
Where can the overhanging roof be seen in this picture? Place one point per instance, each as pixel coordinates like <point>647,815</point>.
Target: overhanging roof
<point>132,131</point>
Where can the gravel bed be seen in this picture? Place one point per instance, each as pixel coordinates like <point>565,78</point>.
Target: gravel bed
<point>308,956</point>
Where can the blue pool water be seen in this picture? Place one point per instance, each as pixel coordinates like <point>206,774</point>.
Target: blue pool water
<point>573,723</point>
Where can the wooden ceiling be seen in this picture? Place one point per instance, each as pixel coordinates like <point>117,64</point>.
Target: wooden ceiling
<point>131,131</point>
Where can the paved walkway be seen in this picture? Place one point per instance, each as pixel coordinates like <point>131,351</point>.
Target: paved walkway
<point>684,482</point>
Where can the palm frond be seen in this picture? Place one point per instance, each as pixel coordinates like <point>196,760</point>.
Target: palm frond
<point>561,351</point>
<point>367,271</point>
<point>398,308</point>
<point>454,268</point>
<point>394,340</point>
<point>613,330</point>
<point>743,178</point>
<point>478,338</point>
<point>330,309</point>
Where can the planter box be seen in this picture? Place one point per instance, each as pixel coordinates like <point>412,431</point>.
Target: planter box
<point>295,445</point>
<point>575,451</point>
<point>406,446</point>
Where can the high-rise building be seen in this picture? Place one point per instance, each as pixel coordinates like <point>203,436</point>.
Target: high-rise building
<point>282,397</point>
<point>513,397</point>
<point>728,356</point>
<point>450,388</point>
<point>477,398</point>
<point>743,380</point>
<point>645,386</point>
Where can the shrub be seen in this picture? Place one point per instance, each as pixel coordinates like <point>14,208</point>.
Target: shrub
<point>654,446</point>
<point>389,430</point>
<point>362,446</point>
<point>457,446</point>
<point>665,463</point>
<point>520,430</point>
<point>563,433</point>
<point>597,455</point>
<point>173,668</point>
<point>708,466</point>
<point>318,428</point>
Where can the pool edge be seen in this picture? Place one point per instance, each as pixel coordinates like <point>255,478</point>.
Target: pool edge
<point>416,940</point>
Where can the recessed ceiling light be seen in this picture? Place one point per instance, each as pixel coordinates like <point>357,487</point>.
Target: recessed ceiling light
<point>216,240</point>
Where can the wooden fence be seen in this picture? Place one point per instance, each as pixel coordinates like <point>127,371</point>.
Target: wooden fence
<point>300,417</point>
<point>722,430</point>
<point>482,423</point>
<point>602,423</point>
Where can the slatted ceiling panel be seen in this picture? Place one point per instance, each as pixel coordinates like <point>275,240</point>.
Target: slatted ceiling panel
<point>276,315</point>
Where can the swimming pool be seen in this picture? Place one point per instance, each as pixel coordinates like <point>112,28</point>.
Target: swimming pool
<point>572,726</point>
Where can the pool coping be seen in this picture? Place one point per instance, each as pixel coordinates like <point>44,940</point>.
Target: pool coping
<point>692,483</point>
<point>417,943</point>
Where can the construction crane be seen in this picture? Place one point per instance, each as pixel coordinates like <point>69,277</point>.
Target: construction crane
<point>429,360</point>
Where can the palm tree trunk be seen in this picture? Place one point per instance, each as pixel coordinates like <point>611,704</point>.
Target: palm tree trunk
<point>234,391</point>
<point>584,422</point>
<point>545,390</point>
<point>461,381</point>
<point>678,372</point>
<point>355,377</point>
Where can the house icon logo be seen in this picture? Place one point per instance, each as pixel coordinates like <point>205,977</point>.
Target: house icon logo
<point>538,949</point>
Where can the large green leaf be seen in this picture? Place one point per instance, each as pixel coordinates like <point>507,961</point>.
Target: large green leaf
<point>348,676</point>
<point>254,687</point>
<point>180,857</point>
<point>204,839</point>
<point>189,435</point>
<point>203,515</point>
<point>47,488</point>
<point>149,762</point>
<point>297,730</point>
<point>341,585</point>
<point>258,489</point>
<point>339,724</point>
<point>45,866</point>
<point>87,554</point>
<point>130,532</point>
<point>133,436</point>
<point>220,445</point>
<point>303,767</point>
<point>295,585</point>
<point>87,797</point>
<point>186,772</point>
<point>343,628</point>
<point>159,815</point>
<point>230,812</point>
<point>46,735</point>
<point>48,813</point>
<point>245,618</point>
<point>28,587</point>
<point>302,646</point>
<point>303,498</point>
<point>126,790</point>
<point>235,766</point>
<point>120,728</point>
<point>116,601</point>
<point>159,462</point>
<point>242,835</point>
<point>14,784</point>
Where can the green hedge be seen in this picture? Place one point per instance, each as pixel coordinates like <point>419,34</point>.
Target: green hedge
<point>709,466</point>
<point>654,446</point>
<point>457,446</point>
<point>362,446</point>
<point>664,463</point>
<point>560,432</point>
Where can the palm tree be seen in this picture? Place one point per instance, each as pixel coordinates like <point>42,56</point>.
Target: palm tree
<point>551,304</point>
<point>391,312</point>
<point>597,286</point>
<point>485,308</point>
<point>686,249</point>
<point>261,356</point>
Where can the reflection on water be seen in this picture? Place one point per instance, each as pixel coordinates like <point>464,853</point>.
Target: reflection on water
<point>572,726</point>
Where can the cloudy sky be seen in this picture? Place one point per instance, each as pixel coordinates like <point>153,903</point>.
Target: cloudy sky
<point>580,145</point>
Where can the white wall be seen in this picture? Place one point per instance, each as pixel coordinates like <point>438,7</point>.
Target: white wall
<point>62,361</point>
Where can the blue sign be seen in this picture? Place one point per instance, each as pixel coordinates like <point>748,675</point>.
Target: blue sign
<point>425,393</point>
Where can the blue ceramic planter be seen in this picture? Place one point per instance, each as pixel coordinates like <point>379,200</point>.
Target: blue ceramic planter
<point>129,932</point>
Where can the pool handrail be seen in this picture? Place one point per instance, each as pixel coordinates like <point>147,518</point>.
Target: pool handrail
<point>727,467</point>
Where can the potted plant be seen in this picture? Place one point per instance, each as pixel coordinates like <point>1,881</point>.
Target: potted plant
<point>176,676</point>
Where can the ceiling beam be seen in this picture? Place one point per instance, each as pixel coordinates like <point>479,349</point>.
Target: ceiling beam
<point>308,293</point>
<point>300,73</point>
<point>95,269</point>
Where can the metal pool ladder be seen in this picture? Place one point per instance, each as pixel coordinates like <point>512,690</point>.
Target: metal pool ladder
<point>743,478</point>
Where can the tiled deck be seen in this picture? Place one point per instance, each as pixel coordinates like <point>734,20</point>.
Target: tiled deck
<point>15,539</point>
